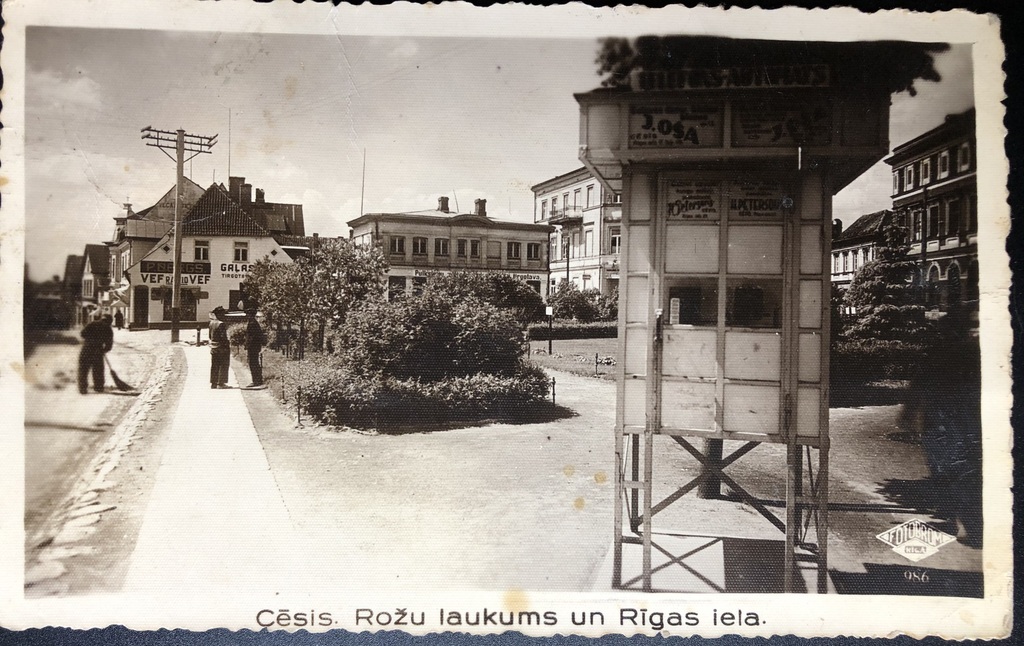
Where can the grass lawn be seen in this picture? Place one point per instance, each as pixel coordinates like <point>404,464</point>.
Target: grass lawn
<point>577,356</point>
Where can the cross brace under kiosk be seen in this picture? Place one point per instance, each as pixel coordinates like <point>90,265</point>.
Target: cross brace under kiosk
<point>635,455</point>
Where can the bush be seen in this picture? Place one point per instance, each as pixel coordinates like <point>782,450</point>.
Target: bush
<point>503,291</point>
<point>573,330</point>
<point>857,362</point>
<point>431,337</point>
<point>236,334</point>
<point>335,395</point>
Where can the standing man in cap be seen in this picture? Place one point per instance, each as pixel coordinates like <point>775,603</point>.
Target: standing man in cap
<point>255,339</point>
<point>97,340</point>
<point>220,349</point>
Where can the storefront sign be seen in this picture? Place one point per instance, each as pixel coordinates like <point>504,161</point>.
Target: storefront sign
<point>234,269</point>
<point>692,200</point>
<point>167,267</point>
<point>782,125</point>
<point>675,126</point>
<point>771,77</point>
<point>757,200</point>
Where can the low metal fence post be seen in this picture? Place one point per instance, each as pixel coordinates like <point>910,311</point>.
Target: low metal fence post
<point>552,391</point>
<point>298,405</point>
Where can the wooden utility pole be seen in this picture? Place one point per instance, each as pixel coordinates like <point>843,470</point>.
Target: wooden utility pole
<point>182,143</point>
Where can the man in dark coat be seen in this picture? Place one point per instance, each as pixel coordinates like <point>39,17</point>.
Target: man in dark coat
<point>220,349</point>
<point>255,339</point>
<point>97,340</point>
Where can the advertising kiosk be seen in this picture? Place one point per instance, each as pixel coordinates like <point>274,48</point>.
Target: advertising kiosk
<point>727,175</point>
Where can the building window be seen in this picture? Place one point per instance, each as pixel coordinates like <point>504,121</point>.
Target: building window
<point>515,251</point>
<point>615,239</point>
<point>846,261</point>
<point>553,253</point>
<point>909,178</point>
<point>588,242</point>
<point>418,283</point>
<point>554,206</point>
<point>853,260</point>
<point>964,159</point>
<point>590,196</point>
<point>574,250</point>
<point>543,209</point>
<point>397,245</point>
<point>461,248</point>
<point>441,246</point>
<point>565,202</point>
<point>396,286</point>
<point>953,216</point>
<point>926,171</point>
<point>933,221</point>
<point>493,249</point>
<point>474,248</point>
<point>202,250</point>
<point>943,165</point>
<point>576,198</point>
<point>241,252</point>
<point>533,251</point>
<point>835,263</point>
<point>617,198</point>
<point>915,225</point>
<point>87,288</point>
<point>895,183</point>
<point>419,246</point>
<point>972,214</point>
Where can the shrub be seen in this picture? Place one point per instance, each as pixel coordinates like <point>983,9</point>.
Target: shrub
<point>860,361</point>
<point>236,334</point>
<point>503,291</point>
<point>573,330</point>
<point>431,337</point>
<point>568,302</point>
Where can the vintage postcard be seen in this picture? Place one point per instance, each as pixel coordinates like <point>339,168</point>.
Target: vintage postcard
<point>540,319</point>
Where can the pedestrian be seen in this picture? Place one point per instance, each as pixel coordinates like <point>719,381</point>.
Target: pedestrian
<point>220,349</point>
<point>119,319</point>
<point>255,339</point>
<point>97,340</point>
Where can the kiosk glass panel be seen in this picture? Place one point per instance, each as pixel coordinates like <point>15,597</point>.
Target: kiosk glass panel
<point>810,303</point>
<point>690,353</point>
<point>693,301</point>
<point>808,414</point>
<point>810,249</point>
<point>639,249</point>
<point>636,299</point>
<point>688,405</point>
<point>753,355</point>
<point>755,249</point>
<point>810,357</point>
<point>634,409</point>
<point>753,302</point>
<point>751,409</point>
<point>691,249</point>
<point>636,354</point>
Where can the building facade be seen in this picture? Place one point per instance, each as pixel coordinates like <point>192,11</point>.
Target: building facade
<point>93,301</point>
<point>419,242</point>
<point>587,219</point>
<point>221,240</point>
<point>855,246</point>
<point>935,196</point>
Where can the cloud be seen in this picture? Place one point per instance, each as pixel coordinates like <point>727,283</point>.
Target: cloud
<point>46,89</point>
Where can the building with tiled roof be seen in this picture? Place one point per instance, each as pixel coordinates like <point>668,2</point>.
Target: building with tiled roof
<point>72,285</point>
<point>854,247</point>
<point>419,242</point>
<point>221,239</point>
<point>95,280</point>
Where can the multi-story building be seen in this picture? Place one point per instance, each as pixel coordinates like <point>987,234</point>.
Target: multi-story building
<point>418,242</point>
<point>95,281</point>
<point>935,195</point>
<point>587,219</point>
<point>221,239</point>
<point>854,246</point>
<point>72,283</point>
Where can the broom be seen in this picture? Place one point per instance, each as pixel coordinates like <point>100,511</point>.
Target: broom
<point>120,383</point>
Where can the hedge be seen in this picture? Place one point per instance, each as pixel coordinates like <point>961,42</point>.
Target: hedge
<point>335,395</point>
<point>859,362</point>
<point>573,330</point>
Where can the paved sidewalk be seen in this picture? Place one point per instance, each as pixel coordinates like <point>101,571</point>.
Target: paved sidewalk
<point>215,519</point>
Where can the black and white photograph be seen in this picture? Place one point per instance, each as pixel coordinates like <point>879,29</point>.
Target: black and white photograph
<point>416,318</point>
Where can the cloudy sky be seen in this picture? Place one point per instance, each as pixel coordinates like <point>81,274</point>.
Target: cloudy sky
<point>464,117</point>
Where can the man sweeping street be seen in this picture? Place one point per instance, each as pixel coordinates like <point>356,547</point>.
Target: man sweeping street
<point>97,340</point>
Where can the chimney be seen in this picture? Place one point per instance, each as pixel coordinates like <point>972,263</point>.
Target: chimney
<point>235,188</point>
<point>442,204</point>
<point>837,228</point>
<point>481,207</point>
<point>246,194</point>
<point>260,198</point>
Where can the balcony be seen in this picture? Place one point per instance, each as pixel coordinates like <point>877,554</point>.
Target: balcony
<point>566,217</point>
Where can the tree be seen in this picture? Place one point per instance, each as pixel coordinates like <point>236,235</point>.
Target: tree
<point>320,288</point>
<point>895,65</point>
<point>568,302</point>
<point>886,294</point>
